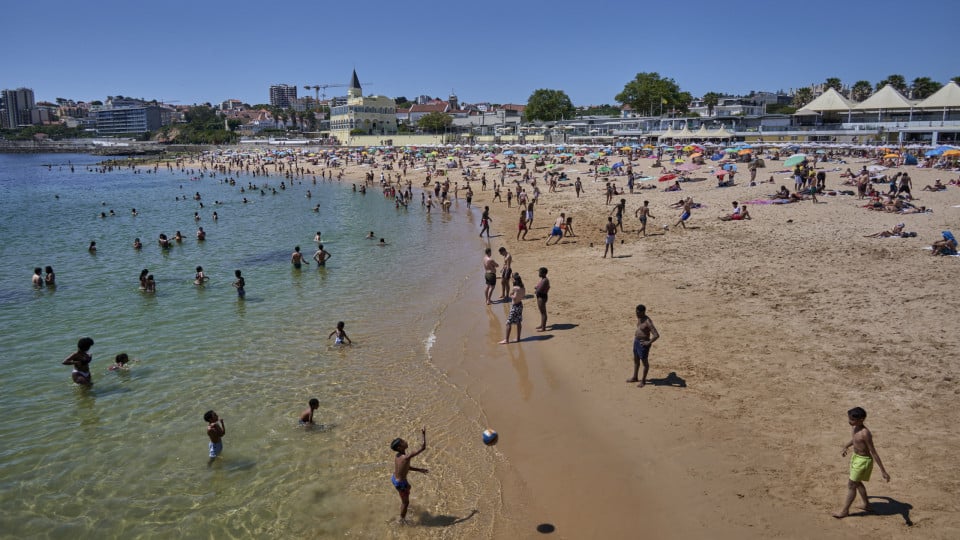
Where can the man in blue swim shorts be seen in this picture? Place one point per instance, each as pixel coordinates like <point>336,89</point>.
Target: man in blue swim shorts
<point>643,338</point>
<point>402,467</point>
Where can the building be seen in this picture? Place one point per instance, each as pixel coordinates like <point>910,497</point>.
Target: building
<point>126,116</point>
<point>370,115</point>
<point>17,105</point>
<point>282,95</point>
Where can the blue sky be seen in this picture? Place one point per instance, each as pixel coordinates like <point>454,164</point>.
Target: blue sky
<point>494,51</point>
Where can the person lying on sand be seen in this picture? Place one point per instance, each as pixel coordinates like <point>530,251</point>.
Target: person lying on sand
<point>937,186</point>
<point>896,231</point>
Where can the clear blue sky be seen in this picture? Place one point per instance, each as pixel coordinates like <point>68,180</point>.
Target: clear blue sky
<point>494,51</point>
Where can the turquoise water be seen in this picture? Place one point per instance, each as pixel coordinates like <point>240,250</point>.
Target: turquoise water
<point>128,458</point>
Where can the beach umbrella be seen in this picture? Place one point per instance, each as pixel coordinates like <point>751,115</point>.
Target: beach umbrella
<point>795,159</point>
<point>666,177</point>
<point>730,150</point>
<point>627,148</point>
<point>951,153</point>
<point>512,166</point>
<point>891,156</point>
<point>730,167</point>
<point>604,169</point>
<point>744,151</point>
<point>876,168</point>
<point>696,155</point>
<point>508,153</point>
<point>678,160</point>
<point>618,164</point>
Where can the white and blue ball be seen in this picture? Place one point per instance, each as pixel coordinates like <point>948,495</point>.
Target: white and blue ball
<point>490,437</point>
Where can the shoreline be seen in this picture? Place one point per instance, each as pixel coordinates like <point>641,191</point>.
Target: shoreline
<point>727,312</point>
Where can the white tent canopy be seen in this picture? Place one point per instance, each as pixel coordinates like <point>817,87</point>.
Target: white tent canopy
<point>947,97</point>
<point>831,100</point>
<point>886,98</point>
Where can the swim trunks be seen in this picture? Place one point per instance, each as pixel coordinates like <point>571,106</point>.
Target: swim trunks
<point>241,293</point>
<point>506,273</point>
<point>610,238</point>
<point>860,467</point>
<point>643,219</point>
<point>556,231</point>
<point>542,296</point>
<point>401,485</point>
<point>516,314</point>
<point>685,216</point>
<point>640,351</point>
<point>490,278</point>
<point>216,448</point>
<point>296,265</point>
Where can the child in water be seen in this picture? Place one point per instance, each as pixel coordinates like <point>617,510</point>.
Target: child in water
<point>120,362</point>
<point>306,417</point>
<point>341,335</point>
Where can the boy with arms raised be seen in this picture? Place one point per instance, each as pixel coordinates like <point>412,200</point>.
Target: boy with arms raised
<point>402,467</point>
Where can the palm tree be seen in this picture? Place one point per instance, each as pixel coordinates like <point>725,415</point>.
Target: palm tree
<point>802,96</point>
<point>861,90</point>
<point>896,81</point>
<point>710,99</point>
<point>833,82</point>
<point>923,87</point>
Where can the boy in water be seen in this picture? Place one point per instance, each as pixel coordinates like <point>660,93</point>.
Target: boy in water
<point>306,417</point>
<point>120,362</point>
<point>861,461</point>
<point>402,467</point>
<point>215,430</point>
<point>240,283</point>
<point>341,335</point>
<point>80,361</point>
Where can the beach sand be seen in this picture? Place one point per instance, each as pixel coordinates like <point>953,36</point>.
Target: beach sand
<point>771,330</point>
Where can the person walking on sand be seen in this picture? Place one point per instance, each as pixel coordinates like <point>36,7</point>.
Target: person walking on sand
<point>558,227</point>
<point>644,336</point>
<point>541,291</point>
<point>485,222</point>
<point>515,317</point>
<point>505,272</point>
<point>489,274</point>
<point>402,467</point>
<point>861,461</point>
<point>685,213</point>
<point>644,213</point>
<point>618,210</point>
<point>611,229</point>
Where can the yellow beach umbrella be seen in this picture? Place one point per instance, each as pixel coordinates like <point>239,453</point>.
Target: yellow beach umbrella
<point>696,155</point>
<point>952,153</point>
<point>626,148</point>
<point>891,156</point>
<point>744,151</point>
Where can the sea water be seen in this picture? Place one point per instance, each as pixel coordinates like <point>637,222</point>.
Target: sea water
<point>128,457</point>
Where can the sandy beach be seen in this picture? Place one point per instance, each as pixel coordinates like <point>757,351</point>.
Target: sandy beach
<point>772,328</point>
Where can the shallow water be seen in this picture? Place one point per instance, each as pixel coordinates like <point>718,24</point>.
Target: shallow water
<point>129,456</point>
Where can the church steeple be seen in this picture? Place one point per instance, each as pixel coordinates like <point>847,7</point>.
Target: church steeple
<point>355,90</point>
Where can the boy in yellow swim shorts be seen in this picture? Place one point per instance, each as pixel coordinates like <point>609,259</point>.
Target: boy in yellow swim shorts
<point>861,461</point>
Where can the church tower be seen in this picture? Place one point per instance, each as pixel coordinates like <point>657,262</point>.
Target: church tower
<point>355,90</point>
<point>453,101</point>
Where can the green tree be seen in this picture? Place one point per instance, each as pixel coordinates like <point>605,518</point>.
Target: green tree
<point>896,81</point>
<point>956,79</point>
<point>650,91</point>
<point>711,99</point>
<point>802,96</point>
<point>548,105</point>
<point>435,122</point>
<point>600,110</point>
<point>861,90</point>
<point>833,82</point>
<point>923,87</point>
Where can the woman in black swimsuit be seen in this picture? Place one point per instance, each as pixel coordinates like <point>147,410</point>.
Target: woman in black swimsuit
<point>541,290</point>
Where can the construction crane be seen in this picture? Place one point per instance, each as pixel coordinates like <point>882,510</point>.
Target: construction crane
<point>317,88</point>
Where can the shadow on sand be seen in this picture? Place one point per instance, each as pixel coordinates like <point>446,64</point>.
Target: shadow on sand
<point>563,326</point>
<point>670,380</point>
<point>429,520</point>
<point>886,506</point>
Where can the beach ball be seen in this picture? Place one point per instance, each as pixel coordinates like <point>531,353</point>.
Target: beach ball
<point>490,437</point>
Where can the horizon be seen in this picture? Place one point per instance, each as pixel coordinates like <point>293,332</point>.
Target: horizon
<point>214,53</point>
